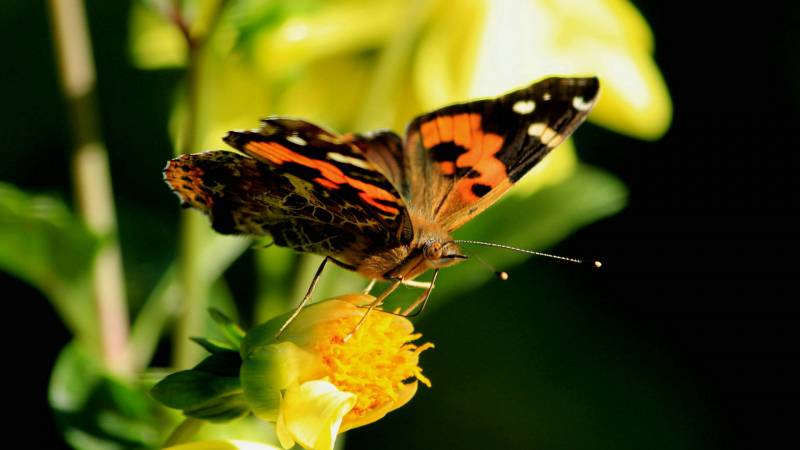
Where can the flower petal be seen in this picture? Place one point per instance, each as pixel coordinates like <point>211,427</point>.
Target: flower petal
<point>301,331</point>
<point>376,414</point>
<point>312,413</point>
<point>525,40</point>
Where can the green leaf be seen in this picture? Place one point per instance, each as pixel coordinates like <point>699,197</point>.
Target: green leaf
<point>97,411</point>
<point>210,391</point>
<point>43,243</point>
<point>225,364</point>
<point>229,328</point>
<point>214,346</point>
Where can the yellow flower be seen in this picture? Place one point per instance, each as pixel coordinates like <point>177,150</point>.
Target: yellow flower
<point>319,380</point>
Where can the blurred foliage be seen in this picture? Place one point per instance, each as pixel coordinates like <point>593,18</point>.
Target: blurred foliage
<point>350,66</point>
<point>98,411</point>
<point>43,243</point>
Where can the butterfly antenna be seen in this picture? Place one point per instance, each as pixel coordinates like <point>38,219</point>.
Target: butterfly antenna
<point>502,276</point>
<point>596,264</point>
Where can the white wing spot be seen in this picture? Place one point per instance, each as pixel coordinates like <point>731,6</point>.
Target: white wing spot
<point>344,159</point>
<point>295,139</point>
<point>580,104</point>
<point>536,129</point>
<point>547,135</point>
<point>524,106</point>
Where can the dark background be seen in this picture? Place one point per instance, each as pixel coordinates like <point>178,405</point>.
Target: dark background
<point>699,269</point>
<point>703,263</point>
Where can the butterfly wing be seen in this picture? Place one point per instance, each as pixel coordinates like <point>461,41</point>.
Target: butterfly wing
<point>460,159</point>
<point>310,189</point>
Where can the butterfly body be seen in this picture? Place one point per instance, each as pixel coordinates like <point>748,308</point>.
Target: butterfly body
<point>432,248</point>
<point>376,203</point>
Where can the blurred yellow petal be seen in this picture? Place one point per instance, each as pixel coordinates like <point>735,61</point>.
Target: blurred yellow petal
<point>236,99</point>
<point>312,413</point>
<point>336,28</point>
<point>633,98</point>
<point>329,92</point>
<point>442,73</point>
<point>155,42</point>
<point>222,445</point>
<point>616,22</point>
<point>524,40</point>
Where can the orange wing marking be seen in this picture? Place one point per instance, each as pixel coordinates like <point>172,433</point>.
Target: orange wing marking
<point>188,183</point>
<point>331,176</point>
<point>465,131</point>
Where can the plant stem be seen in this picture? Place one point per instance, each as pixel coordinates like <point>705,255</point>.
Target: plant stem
<point>193,290</point>
<point>92,179</point>
<point>184,431</point>
<point>193,287</point>
<point>162,304</point>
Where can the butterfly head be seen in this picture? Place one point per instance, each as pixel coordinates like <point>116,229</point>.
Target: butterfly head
<point>442,253</point>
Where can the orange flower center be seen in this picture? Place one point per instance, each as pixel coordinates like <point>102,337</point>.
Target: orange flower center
<point>375,362</point>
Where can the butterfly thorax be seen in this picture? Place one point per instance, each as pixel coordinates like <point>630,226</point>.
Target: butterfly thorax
<point>431,248</point>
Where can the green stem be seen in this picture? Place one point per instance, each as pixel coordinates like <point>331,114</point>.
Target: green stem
<point>184,432</point>
<point>193,288</point>
<point>193,293</point>
<point>92,179</point>
<point>214,257</point>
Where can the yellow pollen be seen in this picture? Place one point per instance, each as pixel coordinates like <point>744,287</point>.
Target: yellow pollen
<point>375,363</point>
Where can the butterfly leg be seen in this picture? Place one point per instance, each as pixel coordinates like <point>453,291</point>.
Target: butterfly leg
<point>375,303</point>
<point>418,284</point>
<point>369,287</point>
<point>311,288</point>
<point>423,299</point>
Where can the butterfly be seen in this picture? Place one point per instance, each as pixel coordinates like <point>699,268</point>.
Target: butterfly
<point>376,203</point>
